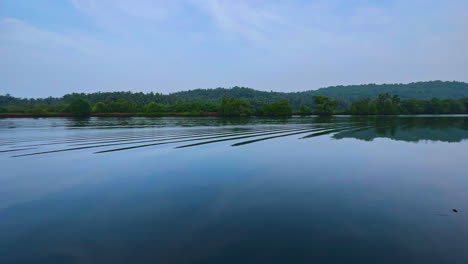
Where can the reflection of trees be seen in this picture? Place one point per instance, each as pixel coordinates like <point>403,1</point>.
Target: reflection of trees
<point>79,122</point>
<point>407,128</point>
<point>325,119</point>
<point>412,129</point>
<point>142,122</point>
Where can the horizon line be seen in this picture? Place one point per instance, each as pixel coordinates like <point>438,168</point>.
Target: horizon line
<point>236,86</point>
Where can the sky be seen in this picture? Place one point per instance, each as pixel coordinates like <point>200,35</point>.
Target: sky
<point>54,47</point>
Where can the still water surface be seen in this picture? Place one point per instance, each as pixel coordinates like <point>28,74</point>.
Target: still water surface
<point>211,190</point>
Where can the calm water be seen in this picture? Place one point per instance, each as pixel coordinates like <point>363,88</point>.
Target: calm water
<point>209,190</point>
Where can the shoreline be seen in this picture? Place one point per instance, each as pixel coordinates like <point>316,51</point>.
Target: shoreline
<point>209,114</point>
<point>27,115</point>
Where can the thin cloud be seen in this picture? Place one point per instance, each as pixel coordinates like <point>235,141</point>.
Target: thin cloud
<point>17,32</point>
<point>255,23</point>
<point>165,46</point>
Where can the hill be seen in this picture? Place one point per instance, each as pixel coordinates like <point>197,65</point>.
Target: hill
<point>417,90</point>
<point>344,94</point>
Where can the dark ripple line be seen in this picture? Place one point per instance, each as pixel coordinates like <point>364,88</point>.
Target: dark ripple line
<point>12,150</point>
<point>97,140</point>
<point>76,137</point>
<point>231,130</point>
<point>312,135</point>
<point>76,140</point>
<point>106,145</point>
<point>173,136</point>
<point>93,141</point>
<point>322,133</point>
<point>31,140</point>
<point>166,137</point>
<point>178,141</point>
<point>236,138</point>
<point>267,138</point>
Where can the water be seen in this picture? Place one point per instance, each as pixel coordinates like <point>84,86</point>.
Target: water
<point>210,190</point>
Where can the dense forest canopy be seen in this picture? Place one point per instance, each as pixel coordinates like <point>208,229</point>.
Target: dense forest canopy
<point>417,90</point>
<point>345,95</point>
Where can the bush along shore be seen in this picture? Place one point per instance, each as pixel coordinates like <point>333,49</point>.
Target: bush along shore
<point>384,104</point>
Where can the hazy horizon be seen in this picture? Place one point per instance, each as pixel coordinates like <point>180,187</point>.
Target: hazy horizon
<point>51,48</point>
<point>211,88</point>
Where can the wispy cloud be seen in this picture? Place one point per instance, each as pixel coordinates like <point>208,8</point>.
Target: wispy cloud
<point>254,22</point>
<point>168,45</point>
<point>123,16</point>
<point>14,32</point>
<point>114,9</point>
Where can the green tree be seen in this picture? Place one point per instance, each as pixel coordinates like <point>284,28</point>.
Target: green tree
<point>412,107</point>
<point>325,105</point>
<point>361,107</point>
<point>154,108</point>
<point>15,109</point>
<point>79,107</point>
<point>304,110</point>
<point>235,107</point>
<point>275,109</point>
<point>100,108</point>
<point>38,110</point>
<point>387,104</point>
<point>464,102</point>
<point>437,106</point>
<point>120,106</point>
<point>455,107</point>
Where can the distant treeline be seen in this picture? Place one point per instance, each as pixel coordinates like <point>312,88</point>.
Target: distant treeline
<point>81,107</point>
<point>344,95</point>
<point>384,104</point>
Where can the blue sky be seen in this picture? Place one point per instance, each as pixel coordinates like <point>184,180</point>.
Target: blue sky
<point>53,47</point>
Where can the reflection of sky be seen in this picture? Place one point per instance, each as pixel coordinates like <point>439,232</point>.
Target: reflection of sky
<point>310,192</point>
<point>81,167</point>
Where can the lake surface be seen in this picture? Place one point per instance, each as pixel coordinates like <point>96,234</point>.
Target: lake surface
<point>211,190</point>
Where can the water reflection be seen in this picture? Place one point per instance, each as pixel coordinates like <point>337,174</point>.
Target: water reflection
<point>111,134</point>
<point>411,129</point>
<point>211,190</point>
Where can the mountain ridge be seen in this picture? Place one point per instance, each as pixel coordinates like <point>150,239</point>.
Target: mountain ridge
<point>345,94</point>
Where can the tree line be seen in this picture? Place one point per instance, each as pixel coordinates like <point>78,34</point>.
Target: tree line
<point>384,104</point>
<point>345,95</point>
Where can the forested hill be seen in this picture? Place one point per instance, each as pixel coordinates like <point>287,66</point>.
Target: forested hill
<point>344,94</point>
<point>418,90</point>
